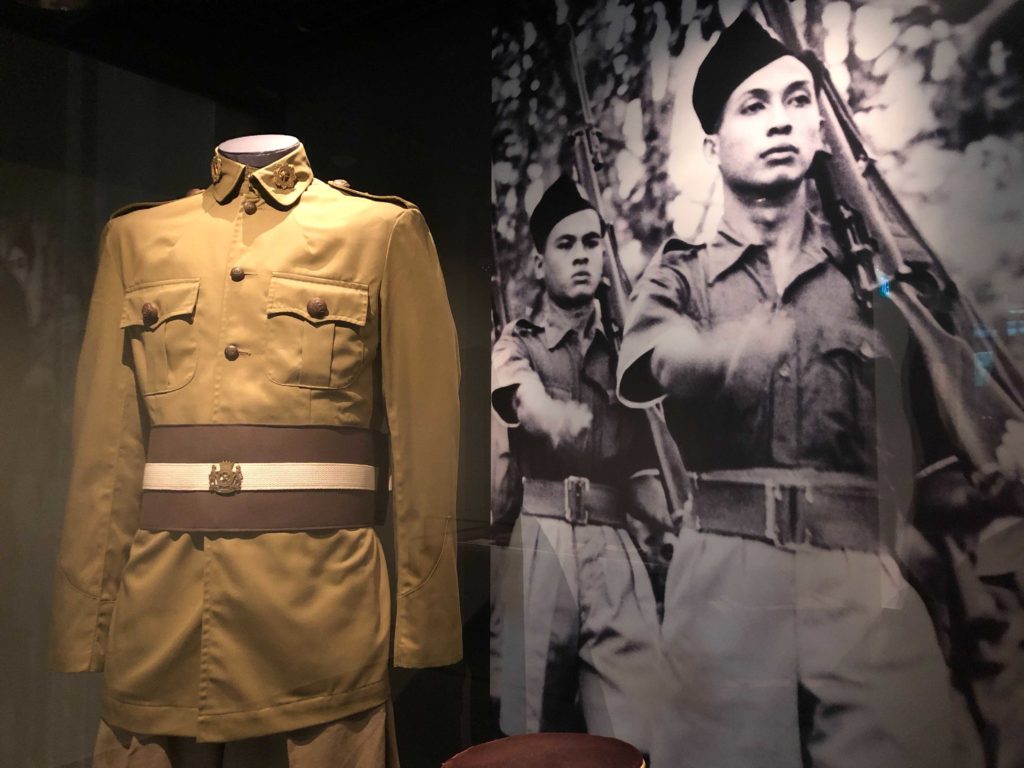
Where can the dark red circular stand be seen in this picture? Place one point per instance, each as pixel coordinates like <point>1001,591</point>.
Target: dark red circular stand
<point>550,750</point>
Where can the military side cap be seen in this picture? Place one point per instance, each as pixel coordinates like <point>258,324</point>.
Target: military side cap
<point>741,49</point>
<point>561,199</point>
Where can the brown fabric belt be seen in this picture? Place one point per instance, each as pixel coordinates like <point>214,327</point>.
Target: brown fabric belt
<point>264,510</point>
<point>832,510</point>
<point>576,500</point>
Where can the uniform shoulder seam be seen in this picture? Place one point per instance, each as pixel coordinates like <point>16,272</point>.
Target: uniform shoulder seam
<point>345,188</point>
<point>142,206</point>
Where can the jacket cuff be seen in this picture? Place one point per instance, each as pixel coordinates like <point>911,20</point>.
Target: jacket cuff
<point>78,630</point>
<point>428,620</point>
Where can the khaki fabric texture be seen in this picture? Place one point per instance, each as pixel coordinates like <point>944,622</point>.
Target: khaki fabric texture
<point>363,740</point>
<point>228,636</point>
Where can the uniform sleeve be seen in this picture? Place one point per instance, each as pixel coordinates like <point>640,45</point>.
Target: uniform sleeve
<point>510,367</point>
<point>656,312</point>
<point>108,454</point>
<point>420,383</point>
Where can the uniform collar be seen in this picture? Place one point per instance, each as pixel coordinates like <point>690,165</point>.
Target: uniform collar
<point>727,248</point>
<point>281,183</point>
<point>556,325</point>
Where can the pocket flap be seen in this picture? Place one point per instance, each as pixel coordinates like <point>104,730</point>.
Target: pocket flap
<point>298,294</point>
<point>150,304</point>
<point>862,342</point>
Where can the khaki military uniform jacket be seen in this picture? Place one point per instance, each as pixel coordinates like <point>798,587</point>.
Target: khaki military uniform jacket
<point>270,299</point>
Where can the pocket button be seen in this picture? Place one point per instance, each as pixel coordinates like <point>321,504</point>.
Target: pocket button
<point>317,308</point>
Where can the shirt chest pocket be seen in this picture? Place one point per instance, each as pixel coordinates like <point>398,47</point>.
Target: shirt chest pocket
<point>315,331</point>
<point>158,319</point>
<point>841,388</point>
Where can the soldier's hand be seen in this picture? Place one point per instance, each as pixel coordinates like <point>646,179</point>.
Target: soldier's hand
<point>741,353</point>
<point>575,420</point>
<point>561,421</point>
<point>752,346</point>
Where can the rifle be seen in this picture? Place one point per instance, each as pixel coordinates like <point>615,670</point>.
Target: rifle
<point>588,161</point>
<point>499,307</point>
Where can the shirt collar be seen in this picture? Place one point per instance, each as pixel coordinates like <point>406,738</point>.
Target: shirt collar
<point>281,183</point>
<point>727,248</point>
<point>556,325</point>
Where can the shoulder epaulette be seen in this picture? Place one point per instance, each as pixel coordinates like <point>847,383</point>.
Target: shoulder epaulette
<point>132,207</point>
<point>343,186</point>
<point>675,245</point>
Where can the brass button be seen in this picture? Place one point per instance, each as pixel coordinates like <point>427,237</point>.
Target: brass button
<point>317,308</point>
<point>231,352</point>
<point>249,207</point>
<point>237,274</point>
<point>149,313</point>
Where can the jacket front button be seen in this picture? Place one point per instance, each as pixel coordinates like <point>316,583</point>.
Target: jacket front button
<point>237,274</point>
<point>317,308</point>
<point>149,313</point>
<point>249,207</point>
<point>231,352</point>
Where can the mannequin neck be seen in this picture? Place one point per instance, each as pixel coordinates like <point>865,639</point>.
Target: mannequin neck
<point>258,151</point>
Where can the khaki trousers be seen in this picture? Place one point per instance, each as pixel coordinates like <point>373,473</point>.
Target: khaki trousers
<point>797,658</point>
<point>579,632</point>
<point>363,740</point>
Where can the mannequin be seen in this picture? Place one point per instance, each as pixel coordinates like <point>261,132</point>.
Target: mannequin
<point>274,322</point>
<point>259,150</point>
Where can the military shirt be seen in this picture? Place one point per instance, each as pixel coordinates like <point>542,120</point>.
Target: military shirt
<point>574,365</point>
<point>224,636</point>
<point>816,410</point>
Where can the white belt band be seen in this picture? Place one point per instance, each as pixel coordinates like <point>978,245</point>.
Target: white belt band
<point>277,476</point>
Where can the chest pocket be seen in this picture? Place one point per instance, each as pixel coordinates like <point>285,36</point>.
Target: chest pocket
<point>315,329</point>
<point>842,385</point>
<point>159,321</point>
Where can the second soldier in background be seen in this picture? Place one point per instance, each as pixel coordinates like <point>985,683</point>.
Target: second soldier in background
<point>579,616</point>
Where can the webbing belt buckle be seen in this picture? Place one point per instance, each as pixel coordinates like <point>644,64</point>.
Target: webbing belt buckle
<point>225,478</point>
<point>773,494</point>
<point>576,489</point>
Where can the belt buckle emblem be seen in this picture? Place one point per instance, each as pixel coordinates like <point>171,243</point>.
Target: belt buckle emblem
<point>225,478</point>
<point>576,489</point>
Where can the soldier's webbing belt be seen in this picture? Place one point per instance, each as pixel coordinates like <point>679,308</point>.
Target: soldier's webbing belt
<point>239,477</point>
<point>832,510</point>
<point>577,500</point>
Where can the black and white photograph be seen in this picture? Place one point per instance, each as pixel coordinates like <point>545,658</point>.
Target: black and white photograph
<point>757,439</point>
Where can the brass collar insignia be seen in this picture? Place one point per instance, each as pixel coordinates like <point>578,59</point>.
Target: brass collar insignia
<point>281,183</point>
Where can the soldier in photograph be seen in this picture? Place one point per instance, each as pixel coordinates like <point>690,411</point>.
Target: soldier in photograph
<point>790,634</point>
<point>579,623</point>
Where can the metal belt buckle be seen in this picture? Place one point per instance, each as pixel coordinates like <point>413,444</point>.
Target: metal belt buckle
<point>226,478</point>
<point>772,496</point>
<point>576,489</point>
